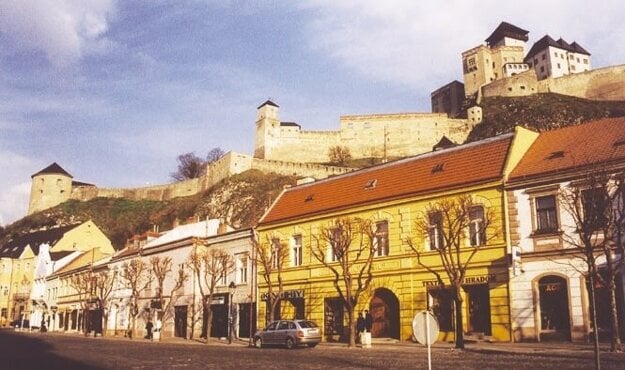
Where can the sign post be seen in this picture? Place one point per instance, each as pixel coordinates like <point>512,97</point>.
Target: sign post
<point>425,330</point>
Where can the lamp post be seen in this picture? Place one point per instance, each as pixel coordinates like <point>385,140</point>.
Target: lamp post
<point>231,289</point>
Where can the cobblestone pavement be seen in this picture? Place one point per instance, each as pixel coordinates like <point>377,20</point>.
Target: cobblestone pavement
<point>23,350</point>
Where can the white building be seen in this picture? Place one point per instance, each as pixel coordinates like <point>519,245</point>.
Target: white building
<point>551,58</point>
<point>548,286</point>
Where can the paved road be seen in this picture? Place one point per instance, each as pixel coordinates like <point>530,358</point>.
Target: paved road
<point>70,351</point>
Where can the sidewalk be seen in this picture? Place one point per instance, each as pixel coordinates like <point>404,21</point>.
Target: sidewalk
<point>552,348</point>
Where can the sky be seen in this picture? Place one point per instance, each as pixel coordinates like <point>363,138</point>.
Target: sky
<point>113,91</point>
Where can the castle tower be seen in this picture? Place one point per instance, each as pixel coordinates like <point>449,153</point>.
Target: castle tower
<point>267,129</point>
<point>50,187</point>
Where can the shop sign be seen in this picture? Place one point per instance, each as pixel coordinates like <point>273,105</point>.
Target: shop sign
<point>468,280</point>
<point>287,294</point>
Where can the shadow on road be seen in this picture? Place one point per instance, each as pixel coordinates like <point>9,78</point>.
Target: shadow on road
<point>26,351</point>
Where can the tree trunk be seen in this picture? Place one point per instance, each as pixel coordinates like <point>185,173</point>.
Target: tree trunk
<point>209,321</point>
<point>105,320</point>
<point>459,323</point>
<point>615,340</point>
<point>352,328</point>
<point>593,317</point>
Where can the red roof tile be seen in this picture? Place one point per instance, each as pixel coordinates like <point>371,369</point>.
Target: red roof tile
<point>464,165</point>
<point>572,147</point>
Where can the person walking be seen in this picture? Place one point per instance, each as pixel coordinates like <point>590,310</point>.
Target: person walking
<point>148,329</point>
<point>368,321</point>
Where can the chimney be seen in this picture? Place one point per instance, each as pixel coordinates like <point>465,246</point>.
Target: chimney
<point>223,227</point>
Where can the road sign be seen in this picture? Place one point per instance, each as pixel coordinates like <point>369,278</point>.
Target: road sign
<point>425,327</point>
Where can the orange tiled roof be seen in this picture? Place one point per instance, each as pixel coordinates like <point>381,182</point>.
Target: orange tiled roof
<point>569,148</point>
<point>464,165</point>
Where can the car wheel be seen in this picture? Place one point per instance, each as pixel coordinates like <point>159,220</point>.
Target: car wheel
<point>258,343</point>
<point>290,344</point>
<point>312,345</point>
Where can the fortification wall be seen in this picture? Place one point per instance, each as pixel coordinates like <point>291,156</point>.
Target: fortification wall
<point>298,169</point>
<point>303,146</point>
<point>598,84</point>
<point>522,84</point>
<point>157,192</point>
<point>399,135</point>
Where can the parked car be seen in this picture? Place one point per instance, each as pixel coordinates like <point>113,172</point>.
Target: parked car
<point>290,333</point>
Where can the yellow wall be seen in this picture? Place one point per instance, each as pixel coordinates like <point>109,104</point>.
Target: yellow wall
<point>84,237</point>
<point>399,271</point>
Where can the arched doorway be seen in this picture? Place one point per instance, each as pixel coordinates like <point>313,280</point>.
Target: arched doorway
<point>554,308</point>
<point>384,309</point>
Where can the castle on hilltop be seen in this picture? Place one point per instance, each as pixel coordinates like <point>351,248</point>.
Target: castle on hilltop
<point>280,147</point>
<point>501,67</point>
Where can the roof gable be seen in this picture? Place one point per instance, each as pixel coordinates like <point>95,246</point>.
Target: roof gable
<point>268,102</point>
<point>15,247</point>
<point>465,165</point>
<point>506,29</point>
<point>574,147</point>
<point>54,168</point>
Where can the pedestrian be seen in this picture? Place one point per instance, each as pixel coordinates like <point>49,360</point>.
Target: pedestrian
<point>148,329</point>
<point>368,321</point>
<point>360,325</point>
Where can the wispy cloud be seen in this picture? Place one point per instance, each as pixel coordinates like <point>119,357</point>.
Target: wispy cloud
<point>64,30</point>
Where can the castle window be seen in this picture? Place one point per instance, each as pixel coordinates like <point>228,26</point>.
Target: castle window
<point>367,125</point>
<point>585,61</point>
<point>572,67</point>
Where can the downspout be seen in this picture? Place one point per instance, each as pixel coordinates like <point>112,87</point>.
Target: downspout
<point>506,220</point>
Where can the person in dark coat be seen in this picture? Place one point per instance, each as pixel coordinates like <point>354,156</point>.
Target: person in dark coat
<point>360,323</point>
<point>368,321</point>
<point>148,329</point>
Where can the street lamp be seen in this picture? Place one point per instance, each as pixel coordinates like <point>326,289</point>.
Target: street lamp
<point>231,289</point>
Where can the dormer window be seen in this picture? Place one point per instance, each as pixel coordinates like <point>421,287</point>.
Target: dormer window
<point>309,198</point>
<point>371,184</point>
<point>438,168</point>
<point>618,143</point>
<point>557,154</point>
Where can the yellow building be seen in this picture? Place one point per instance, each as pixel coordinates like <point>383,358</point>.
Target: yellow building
<point>395,197</point>
<point>19,258</point>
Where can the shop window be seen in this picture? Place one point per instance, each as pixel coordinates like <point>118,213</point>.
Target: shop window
<point>477,232</point>
<point>333,316</point>
<point>546,214</point>
<point>381,238</point>
<point>435,230</point>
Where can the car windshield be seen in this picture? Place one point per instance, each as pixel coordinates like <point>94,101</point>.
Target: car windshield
<point>307,324</point>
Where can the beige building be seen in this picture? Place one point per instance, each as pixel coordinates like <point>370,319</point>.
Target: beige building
<point>501,56</point>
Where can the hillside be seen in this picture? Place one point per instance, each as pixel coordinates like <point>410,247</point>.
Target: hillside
<point>240,200</point>
<point>540,112</point>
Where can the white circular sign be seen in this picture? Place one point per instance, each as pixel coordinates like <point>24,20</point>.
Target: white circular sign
<point>425,327</point>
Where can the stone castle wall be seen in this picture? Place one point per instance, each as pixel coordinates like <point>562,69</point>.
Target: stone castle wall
<point>597,84</point>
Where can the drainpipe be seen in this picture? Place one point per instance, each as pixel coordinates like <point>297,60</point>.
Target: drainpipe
<point>506,220</point>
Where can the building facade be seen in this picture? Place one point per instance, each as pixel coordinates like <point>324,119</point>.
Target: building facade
<point>551,58</point>
<point>548,283</point>
<point>395,197</point>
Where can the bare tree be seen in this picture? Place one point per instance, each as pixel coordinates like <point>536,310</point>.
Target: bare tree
<point>595,206</point>
<point>339,155</point>
<point>271,255</point>
<point>104,282</point>
<point>446,225</point>
<point>82,283</point>
<point>214,155</point>
<point>136,277</point>
<point>162,267</point>
<point>210,266</point>
<point>346,247</point>
<point>190,166</point>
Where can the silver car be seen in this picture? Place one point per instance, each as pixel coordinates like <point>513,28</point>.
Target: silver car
<point>290,333</point>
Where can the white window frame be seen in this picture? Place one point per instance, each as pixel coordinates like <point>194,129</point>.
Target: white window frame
<point>296,250</point>
<point>382,246</point>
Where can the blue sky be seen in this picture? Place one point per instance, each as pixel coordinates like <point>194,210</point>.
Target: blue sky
<point>114,90</point>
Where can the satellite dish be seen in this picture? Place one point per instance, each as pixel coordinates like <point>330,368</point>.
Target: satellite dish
<point>425,328</point>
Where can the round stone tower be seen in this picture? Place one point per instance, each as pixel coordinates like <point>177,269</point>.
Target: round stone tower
<point>50,186</point>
